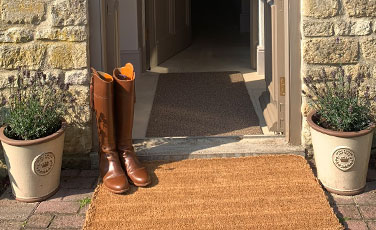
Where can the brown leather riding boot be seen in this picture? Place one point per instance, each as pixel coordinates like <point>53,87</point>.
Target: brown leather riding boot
<point>102,101</point>
<point>124,111</point>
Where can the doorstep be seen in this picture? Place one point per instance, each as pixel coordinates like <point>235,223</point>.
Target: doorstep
<point>180,148</point>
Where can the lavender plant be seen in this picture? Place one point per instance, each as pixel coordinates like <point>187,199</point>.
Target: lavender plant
<point>35,106</point>
<point>339,102</point>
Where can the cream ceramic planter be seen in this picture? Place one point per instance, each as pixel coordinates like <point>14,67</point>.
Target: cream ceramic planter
<point>34,166</point>
<point>341,157</point>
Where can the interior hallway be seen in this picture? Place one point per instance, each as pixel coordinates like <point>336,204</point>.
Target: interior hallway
<point>217,45</point>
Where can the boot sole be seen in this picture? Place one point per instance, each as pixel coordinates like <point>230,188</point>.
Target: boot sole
<point>115,191</point>
<point>141,185</point>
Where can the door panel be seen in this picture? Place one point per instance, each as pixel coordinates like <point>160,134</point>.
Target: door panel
<point>273,100</point>
<point>110,34</point>
<point>169,28</point>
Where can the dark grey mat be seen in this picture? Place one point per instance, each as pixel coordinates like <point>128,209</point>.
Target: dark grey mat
<point>202,104</point>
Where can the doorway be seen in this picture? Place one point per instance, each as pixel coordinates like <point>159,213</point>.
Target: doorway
<point>291,56</point>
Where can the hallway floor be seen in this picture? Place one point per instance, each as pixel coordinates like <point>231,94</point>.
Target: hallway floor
<point>212,49</point>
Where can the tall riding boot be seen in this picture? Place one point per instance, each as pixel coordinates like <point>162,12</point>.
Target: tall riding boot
<point>102,101</point>
<point>124,111</point>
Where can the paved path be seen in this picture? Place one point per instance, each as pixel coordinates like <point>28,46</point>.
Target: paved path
<point>356,212</point>
<point>62,211</point>
<point>66,210</point>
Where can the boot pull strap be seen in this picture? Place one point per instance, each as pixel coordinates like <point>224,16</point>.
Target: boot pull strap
<point>92,88</point>
<point>134,90</point>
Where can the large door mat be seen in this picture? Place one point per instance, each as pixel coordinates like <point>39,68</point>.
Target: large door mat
<point>202,104</point>
<point>266,192</point>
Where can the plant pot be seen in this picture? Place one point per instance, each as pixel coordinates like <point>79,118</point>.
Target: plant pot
<point>341,157</point>
<point>34,166</point>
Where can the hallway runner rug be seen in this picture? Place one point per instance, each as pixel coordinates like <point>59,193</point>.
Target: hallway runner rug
<point>202,104</point>
<point>263,192</point>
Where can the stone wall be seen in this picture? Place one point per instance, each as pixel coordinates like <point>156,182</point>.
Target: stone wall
<point>51,35</point>
<point>337,32</point>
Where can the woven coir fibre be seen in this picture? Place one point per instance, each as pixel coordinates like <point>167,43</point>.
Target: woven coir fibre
<point>264,192</point>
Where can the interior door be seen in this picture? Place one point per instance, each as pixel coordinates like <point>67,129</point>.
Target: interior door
<point>169,28</point>
<point>110,35</point>
<point>254,33</point>
<point>273,100</point>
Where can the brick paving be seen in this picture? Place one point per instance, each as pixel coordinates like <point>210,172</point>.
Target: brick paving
<point>64,211</point>
<point>356,212</point>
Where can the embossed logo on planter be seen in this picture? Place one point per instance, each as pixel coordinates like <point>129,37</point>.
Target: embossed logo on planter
<point>343,158</point>
<point>43,163</point>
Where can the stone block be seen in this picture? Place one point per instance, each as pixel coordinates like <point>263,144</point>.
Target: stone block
<point>317,28</point>
<point>342,200</point>
<point>350,28</point>
<point>353,70</point>
<point>330,51</point>
<point>366,198</point>
<point>78,194</point>
<point>371,225</point>
<point>39,221</point>
<point>68,221</point>
<point>368,47</point>
<point>316,71</point>
<point>69,12</point>
<point>77,77</point>
<point>356,224</point>
<point>306,135</point>
<point>16,34</point>
<point>58,207</point>
<point>89,173</point>
<point>23,11</point>
<point>10,225</point>
<point>320,9</point>
<point>360,8</point>
<point>70,172</point>
<point>78,140</point>
<point>14,210</point>
<point>14,56</point>
<point>78,183</point>
<point>71,33</point>
<point>81,94</point>
<point>79,112</point>
<point>68,56</point>
<point>368,212</point>
<point>348,211</point>
<point>78,161</point>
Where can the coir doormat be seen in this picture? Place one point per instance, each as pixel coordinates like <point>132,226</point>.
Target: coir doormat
<point>202,104</point>
<point>266,192</point>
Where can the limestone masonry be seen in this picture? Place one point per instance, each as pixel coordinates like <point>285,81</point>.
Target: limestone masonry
<point>51,35</point>
<point>337,32</point>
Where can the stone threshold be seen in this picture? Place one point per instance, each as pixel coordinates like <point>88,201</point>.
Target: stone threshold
<point>180,148</point>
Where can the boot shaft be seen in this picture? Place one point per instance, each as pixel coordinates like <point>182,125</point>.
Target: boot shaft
<point>102,93</point>
<point>124,81</point>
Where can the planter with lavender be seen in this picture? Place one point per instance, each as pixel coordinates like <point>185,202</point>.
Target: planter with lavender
<point>33,134</point>
<point>342,126</point>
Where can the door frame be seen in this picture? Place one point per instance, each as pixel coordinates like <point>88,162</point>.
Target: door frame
<point>293,115</point>
<point>293,101</point>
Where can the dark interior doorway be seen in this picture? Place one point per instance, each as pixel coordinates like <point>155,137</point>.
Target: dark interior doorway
<point>215,15</point>
<point>219,20</point>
